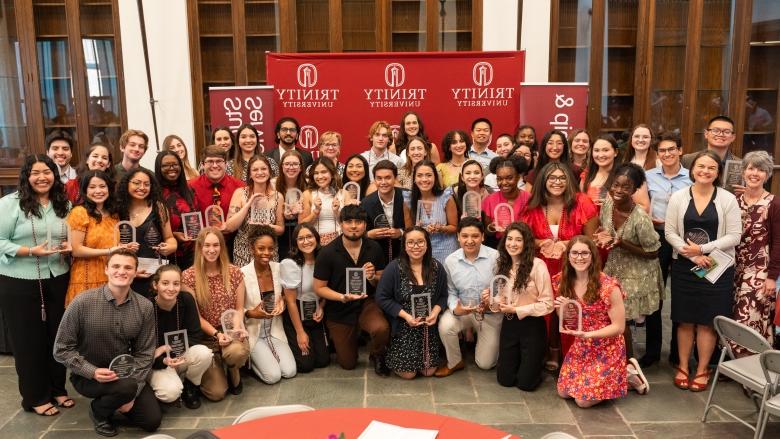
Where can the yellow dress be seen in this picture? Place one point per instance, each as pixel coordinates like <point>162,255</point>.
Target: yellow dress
<point>86,273</point>
<point>447,175</point>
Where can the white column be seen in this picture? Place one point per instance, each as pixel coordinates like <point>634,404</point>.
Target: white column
<point>535,39</point>
<point>499,24</point>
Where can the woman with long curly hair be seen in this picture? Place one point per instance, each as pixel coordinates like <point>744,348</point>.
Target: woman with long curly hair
<point>169,169</point>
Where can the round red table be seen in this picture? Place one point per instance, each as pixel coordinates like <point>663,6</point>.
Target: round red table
<point>330,423</point>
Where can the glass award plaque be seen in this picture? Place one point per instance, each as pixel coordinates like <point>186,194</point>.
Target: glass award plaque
<point>499,292</point>
<point>177,341</point>
<point>697,236</point>
<point>604,237</point>
<point>58,236</point>
<point>259,211</point>
<point>470,298</point>
<point>214,216</point>
<point>124,233</point>
<point>122,365</point>
<point>308,308</point>
<point>292,201</point>
<point>269,301</point>
<point>429,213</point>
<point>232,324</point>
<point>732,174</point>
<point>570,318</point>
<point>382,222</point>
<point>503,215</point>
<point>351,193</point>
<point>192,224</point>
<point>472,205</point>
<point>421,305</point>
<point>153,239</point>
<point>356,281</point>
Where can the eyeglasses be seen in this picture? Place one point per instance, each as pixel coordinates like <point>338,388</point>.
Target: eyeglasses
<point>217,162</point>
<point>556,178</point>
<point>579,255</point>
<point>288,130</point>
<point>330,145</point>
<point>669,150</point>
<point>416,244</point>
<point>170,166</point>
<point>305,238</point>
<point>291,165</point>
<point>720,132</point>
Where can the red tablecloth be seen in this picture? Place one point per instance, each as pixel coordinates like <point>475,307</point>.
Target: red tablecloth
<point>330,423</point>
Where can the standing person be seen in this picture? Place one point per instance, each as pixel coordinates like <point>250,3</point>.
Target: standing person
<point>505,145</point>
<point>456,151</point>
<point>579,152</point>
<point>415,345</point>
<point>181,376</point>
<point>98,158</point>
<point>443,210</point>
<point>662,182</point>
<point>329,147</point>
<point>290,177</point>
<point>133,145</point>
<point>412,126</point>
<point>416,151</point>
<point>139,201</point>
<point>508,171</point>
<point>356,170</point>
<point>522,342</point>
<point>526,136</point>
<point>378,141</point>
<point>758,252</point>
<point>480,148</point>
<point>348,314</point>
<point>554,149</point>
<point>595,368</point>
<point>270,356</point>
<point>34,281</point>
<point>98,326</point>
<point>179,198</point>
<point>176,144</point>
<point>388,200</point>
<point>92,226</point>
<point>699,220</point>
<point>596,180</point>
<point>306,337</point>
<point>248,147</point>
<point>59,147</point>
<point>322,200</point>
<point>641,151</point>
<point>720,136</point>
<point>258,189</point>
<point>217,286</point>
<point>627,231</point>
<point>287,131</point>
<point>469,271</point>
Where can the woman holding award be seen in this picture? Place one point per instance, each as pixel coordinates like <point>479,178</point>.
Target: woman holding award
<point>523,341</point>
<point>703,225</point>
<point>356,170</point>
<point>472,179</point>
<point>594,369</point>
<point>34,276</point>
<point>254,205</point>
<point>509,171</point>
<point>291,180</point>
<point>218,286</point>
<point>169,170</point>
<point>140,202</point>
<point>269,354</point>
<point>322,200</point>
<point>303,320</point>
<point>413,291</point>
<point>440,215</point>
<point>92,233</point>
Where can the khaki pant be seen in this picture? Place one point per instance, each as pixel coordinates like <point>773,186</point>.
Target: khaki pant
<point>345,337</point>
<point>488,331</point>
<point>214,383</point>
<point>167,383</point>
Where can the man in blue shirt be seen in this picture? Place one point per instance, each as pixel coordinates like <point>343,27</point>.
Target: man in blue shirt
<point>469,271</point>
<point>480,136</point>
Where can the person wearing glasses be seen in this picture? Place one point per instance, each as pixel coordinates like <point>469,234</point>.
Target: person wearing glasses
<point>720,135</point>
<point>330,147</point>
<point>170,171</point>
<point>287,131</point>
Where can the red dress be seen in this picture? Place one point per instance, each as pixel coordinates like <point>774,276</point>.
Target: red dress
<point>595,369</point>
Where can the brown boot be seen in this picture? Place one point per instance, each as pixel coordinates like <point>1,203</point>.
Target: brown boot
<point>445,371</point>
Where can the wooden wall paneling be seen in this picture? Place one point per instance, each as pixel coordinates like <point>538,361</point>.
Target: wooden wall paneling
<point>336,29</point>
<point>476,24</point>
<point>692,53</point>
<point>239,43</point>
<point>555,11</point>
<point>379,24</point>
<point>287,35</point>
<point>432,27</point>
<point>78,77</point>
<point>25,25</point>
<point>644,60</point>
<point>739,70</point>
<point>197,77</point>
<point>596,60</point>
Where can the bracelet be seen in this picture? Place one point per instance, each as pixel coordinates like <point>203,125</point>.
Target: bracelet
<point>29,251</point>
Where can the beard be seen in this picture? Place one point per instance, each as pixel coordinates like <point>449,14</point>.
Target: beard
<point>353,238</point>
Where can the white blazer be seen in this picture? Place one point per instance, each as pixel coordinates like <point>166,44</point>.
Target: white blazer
<point>252,299</point>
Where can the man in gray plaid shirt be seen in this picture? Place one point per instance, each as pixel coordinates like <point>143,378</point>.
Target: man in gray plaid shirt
<point>99,325</point>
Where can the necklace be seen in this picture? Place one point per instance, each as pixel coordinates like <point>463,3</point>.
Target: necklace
<point>38,268</point>
<point>750,201</point>
<point>561,222</point>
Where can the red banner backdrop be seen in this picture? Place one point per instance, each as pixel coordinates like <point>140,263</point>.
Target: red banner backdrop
<point>348,92</point>
<point>234,106</point>
<point>549,106</point>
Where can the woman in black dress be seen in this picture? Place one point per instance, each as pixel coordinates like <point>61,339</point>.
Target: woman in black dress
<point>702,222</point>
<point>413,290</point>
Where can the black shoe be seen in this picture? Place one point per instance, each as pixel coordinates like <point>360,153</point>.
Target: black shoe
<point>190,395</point>
<point>380,366</point>
<point>103,426</point>
<point>647,361</point>
<point>237,389</point>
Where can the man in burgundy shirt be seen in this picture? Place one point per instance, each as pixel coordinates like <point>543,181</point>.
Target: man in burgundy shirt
<point>215,187</point>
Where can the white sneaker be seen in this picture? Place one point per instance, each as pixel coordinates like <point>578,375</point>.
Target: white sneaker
<point>636,378</point>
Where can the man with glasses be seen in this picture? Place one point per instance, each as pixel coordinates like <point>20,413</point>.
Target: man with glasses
<point>379,141</point>
<point>287,131</point>
<point>720,136</point>
<point>133,145</point>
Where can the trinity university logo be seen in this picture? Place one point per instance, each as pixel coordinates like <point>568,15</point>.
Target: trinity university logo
<point>395,75</point>
<point>309,137</point>
<point>307,75</point>
<point>482,74</point>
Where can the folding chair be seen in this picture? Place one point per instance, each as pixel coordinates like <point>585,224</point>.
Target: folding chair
<point>746,370</point>
<point>558,435</point>
<point>770,363</point>
<point>264,412</point>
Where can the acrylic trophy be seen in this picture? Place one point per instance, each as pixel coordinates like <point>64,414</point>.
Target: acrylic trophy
<point>58,236</point>
<point>499,292</point>
<point>153,239</point>
<point>308,308</point>
<point>192,224</point>
<point>570,318</point>
<point>503,215</point>
<point>351,193</point>
<point>232,324</point>
<point>178,343</point>
<point>122,365</point>
<point>356,281</point>
<point>270,299</point>
<point>259,211</point>
<point>382,222</point>
<point>421,305</point>
<point>214,216</point>
<point>472,205</point>
<point>429,213</point>
<point>471,297</point>
<point>124,233</point>
<point>732,175</point>
<point>292,201</point>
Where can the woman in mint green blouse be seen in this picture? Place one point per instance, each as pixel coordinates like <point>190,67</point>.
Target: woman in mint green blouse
<point>34,274</point>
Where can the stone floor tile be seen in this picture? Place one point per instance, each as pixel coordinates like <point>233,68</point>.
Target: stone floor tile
<point>255,394</point>
<point>212,423</point>
<point>602,419</point>
<point>546,407</point>
<point>488,389</point>
<point>536,431</point>
<point>456,388</point>
<point>24,425</point>
<point>488,414</point>
<point>664,403</point>
<point>319,393</point>
<point>394,385</point>
<point>422,403</point>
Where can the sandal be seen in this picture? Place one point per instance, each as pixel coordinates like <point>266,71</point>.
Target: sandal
<point>65,403</point>
<point>698,387</point>
<point>682,383</point>
<point>551,365</point>
<point>51,410</point>
<point>643,387</point>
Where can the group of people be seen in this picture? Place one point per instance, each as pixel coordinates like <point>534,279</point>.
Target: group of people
<point>416,249</point>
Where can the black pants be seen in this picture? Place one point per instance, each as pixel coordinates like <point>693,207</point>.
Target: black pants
<point>41,378</point>
<point>319,355</point>
<point>521,348</point>
<point>653,323</point>
<point>107,397</point>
